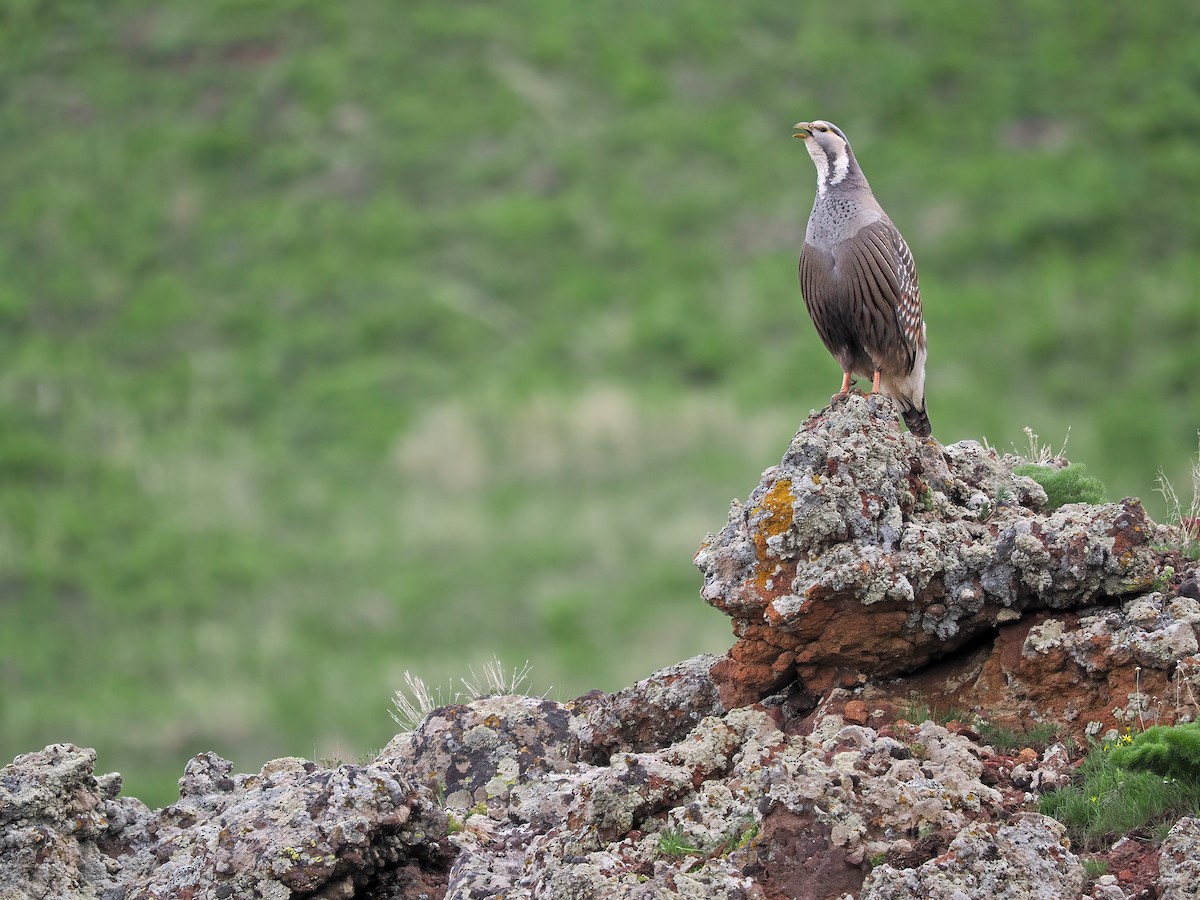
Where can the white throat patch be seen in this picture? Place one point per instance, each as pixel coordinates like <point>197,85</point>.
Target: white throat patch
<point>825,176</point>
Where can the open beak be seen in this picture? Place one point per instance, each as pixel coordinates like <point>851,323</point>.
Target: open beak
<point>803,130</point>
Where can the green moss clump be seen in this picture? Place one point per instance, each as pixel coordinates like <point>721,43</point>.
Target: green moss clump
<point>1169,751</point>
<point>1069,485</point>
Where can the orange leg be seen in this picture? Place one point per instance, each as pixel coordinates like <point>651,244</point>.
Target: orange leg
<point>841,395</point>
<point>875,383</point>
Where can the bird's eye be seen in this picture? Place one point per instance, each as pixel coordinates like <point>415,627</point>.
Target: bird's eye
<point>822,128</point>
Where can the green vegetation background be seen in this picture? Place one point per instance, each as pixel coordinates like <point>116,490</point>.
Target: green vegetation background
<point>343,339</point>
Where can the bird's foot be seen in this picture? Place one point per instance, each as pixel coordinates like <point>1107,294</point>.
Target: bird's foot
<point>844,392</point>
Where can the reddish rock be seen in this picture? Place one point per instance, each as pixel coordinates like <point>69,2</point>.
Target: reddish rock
<point>802,863</point>
<point>855,712</point>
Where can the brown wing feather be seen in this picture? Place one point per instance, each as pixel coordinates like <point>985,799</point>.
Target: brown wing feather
<point>888,299</point>
<point>873,293</point>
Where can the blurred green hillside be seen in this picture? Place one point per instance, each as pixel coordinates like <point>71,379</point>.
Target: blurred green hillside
<point>339,340</point>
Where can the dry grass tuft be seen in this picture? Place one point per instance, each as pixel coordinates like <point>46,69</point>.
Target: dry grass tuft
<point>416,699</point>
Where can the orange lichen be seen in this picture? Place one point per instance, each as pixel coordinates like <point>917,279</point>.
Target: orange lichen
<point>777,506</point>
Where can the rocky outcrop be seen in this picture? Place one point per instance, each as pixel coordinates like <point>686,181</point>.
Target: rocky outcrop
<point>868,554</point>
<point>870,577</point>
<point>497,796</point>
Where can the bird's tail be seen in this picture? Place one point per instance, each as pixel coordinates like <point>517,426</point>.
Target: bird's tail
<point>917,421</point>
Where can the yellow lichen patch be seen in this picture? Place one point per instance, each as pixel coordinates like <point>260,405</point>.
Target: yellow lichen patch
<point>777,506</point>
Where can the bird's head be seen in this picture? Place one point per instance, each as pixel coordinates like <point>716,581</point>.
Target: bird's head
<point>829,149</point>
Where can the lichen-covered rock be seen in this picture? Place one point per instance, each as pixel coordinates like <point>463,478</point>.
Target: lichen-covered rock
<point>650,714</point>
<point>1107,887</point>
<point>733,807</point>
<point>737,808</point>
<point>1029,859</point>
<point>53,813</point>
<point>293,829</point>
<point>1150,630</point>
<point>869,552</point>
<point>1179,862</point>
<point>476,753</point>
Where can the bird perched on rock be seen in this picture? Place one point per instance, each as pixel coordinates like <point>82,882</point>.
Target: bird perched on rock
<point>859,280</point>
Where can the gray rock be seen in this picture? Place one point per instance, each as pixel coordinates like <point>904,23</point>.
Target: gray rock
<point>53,814</point>
<point>1179,862</point>
<point>473,752</point>
<point>1107,887</point>
<point>1027,860</point>
<point>652,713</point>
<point>292,829</point>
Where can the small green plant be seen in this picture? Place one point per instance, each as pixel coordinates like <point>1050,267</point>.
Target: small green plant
<point>988,509</point>
<point>918,750</point>
<point>925,499</point>
<point>917,709</point>
<point>746,832</point>
<point>1039,736</point>
<point>1071,484</point>
<point>1160,830</point>
<point>332,762</point>
<point>1043,734</point>
<point>1093,868</point>
<point>672,843</point>
<point>1162,581</point>
<point>877,859</point>
<point>1121,788</point>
